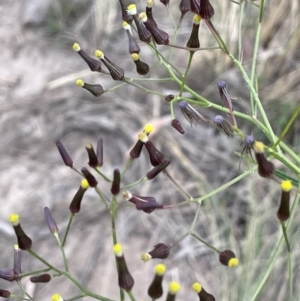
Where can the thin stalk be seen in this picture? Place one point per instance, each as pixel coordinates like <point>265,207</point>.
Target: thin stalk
<point>76,297</point>
<point>68,229</point>
<point>204,242</point>
<point>128,164</point>
<point>186,72</point>
<point>285,236</point>
<point>241,19</point>
<point>24,290</point>
<point>62,249</point>
<point>102,197</point>
<point>135,183</point>
<point>128,81</point>
<point>291,276</point>
<point>131,296</point>
<point>36,272</point>
<point>103,175</point>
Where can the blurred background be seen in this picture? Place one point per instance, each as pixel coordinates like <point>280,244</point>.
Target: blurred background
<point>39,102</point>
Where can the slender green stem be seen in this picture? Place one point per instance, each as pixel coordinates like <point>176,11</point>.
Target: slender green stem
<point>179,240</point>
<point>76,297</point>
<point>24,290</point>
<point>128,165</point>
<point>114,87</point>
<point>142,180</point>
<point>131,296</point>
<point>204,242</point>
<point>68,229</point>
<point>241,18</point>
<point>62,249</point>
<point>128,81</point>
<point>195,219</point>
<point>36,272</point>
<point>102,197</point>
<point>285,236</point>
<point>103,175</point>
<point>186,72</point>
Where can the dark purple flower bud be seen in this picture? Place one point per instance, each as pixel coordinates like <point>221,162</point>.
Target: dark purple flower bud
<point>133,45</point>
<point>89,177</point>
<point>202,293</point>
<point>228,258</point>
<point>93,160</point>
<point>94,64</point>
<point>100,151</point>
<point>206,10</point>
<point>160,251</point>
<point>195,6</point>
<point>4,293</point>
<point>177,126</point>
<point>117,73</point>
<point>169,97</point>
<point>126,281</point>
<point>265,167</point>
<point>96,90</point>
<point>191,114</point>
<point>50,221</point>
<point>165,2</point>
<point>24,241</point>
<point>155,289</point>
<point>136,150</point>
<point>17,261</point>
<point>184,7</point>
<point>160,37</point>
<point>193,41</point>
<point>143,32</point>
<point>115,188</point>
<point>64,154</point>
<point>158,169</point>
<point>76,202</point>
<point>141,67</point>
<point>44,278</point>
<point>125,16</point>
<point>8,274</point>
<point>283,212</point>
<point>149,12</point>
<point>223,126</point>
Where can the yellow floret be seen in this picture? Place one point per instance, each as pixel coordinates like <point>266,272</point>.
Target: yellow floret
<point>14,219</point>
<point>259,147</point>
<point>146,257</point>
<point>118,250</point>
<point>57,297</point>
<point>148,128</point>
<point>149,3</point>
<point>233,262</point>
<point>143,17</point>
<point>76,47</point>
<point>174,287</point>
<point>135,56</point>
<point>160,269</point>
<point>196,19</point>
<point>125,25</point>
<point>84,184</point>
<point>197,287</point>
<point>99,54</point>
<point>143,137</point>
<point>131,9</point>
<point>79,82</point>
<point>286,185</point>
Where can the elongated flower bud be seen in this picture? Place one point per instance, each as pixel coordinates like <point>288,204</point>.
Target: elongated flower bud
<point>283,212</point>
<point>50,221</point>
<point>160,37</point>
<point>4,293</point>
<point>265,167</point>
<point>115,188</point>
<point>174,287</point>
<point>117,73</point>
<point>191,114</point>
<point>206,10</point>
<point>149,12</point>
<point>155,289</point>
<point>141,67</point>
<point>202,293</point>
<point>126,281</point>
<point>94,64</point>
<point>96,90</point>
<point>160,251</point>
<point>195,6</point>
<point>177,126</point>
<point>17,262</point>
<point>89,177</point>
<point>24,241</point>
<point>100,151</point>
<point>133,45</point>
<point>93,160</point>
<point>228,258</point>
<point>8,274</point>
<point>43,278</point>
<point>193,41</point>
<point>158,169</point>
<point>76,202</point>
<point>125,16</point>
<point>223,126</point>
<point>64,154</point>
<point>184,7</point>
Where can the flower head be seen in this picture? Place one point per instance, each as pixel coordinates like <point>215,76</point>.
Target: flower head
<point>184,7</point>
<point>8,275</point>
<point>89,177</point>
<point>43,278</point>
<point>202,293</point>
<point>141,67</point>
<point>149,12</point>
<point>155,289</point>
<point>133,45</point>
<point>193,41</point>
<point>115,187</point>
<point>283,212</point>
<point>174,287</point>
<point>93,160</point>
<point>57,297</point>
<point>24,241</point>
<point>96,90</point>
<point>191,114</point>
<point>160,251</point>
<point>206,10</point>
<point>125,15</point>
<point>76,202</point>
<point>50,221</point>
<point>265,167</point>
<point>158,169</point>
<point>223,126</point>
<point>177,126</point>
<point>94,64</point>
<point>228,258</point>
<point>117,73</point>
<point>64,154</point>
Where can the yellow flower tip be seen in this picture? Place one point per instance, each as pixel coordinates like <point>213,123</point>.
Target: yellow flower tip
<point>57,297</point>
<point>16,247</point>
<point>196,19</point>
<point>84,184</point>
<point>131,9</point>
<point>135,56</point>
<point>143,17</point>
<point>286,186</point>
<point>259,147</point>
<point>14,219</point>
<point>76,47</point>
<point>143,137</point>
<point>99,54</point>
<point>79,82</point>
<point>127,195</point>
<point>197,287</point>
<point>146,257</point>
<point>150,3</point>
<point>118,250</point>
<point>174,287</point>
<point>160,269</point>
<point>125,25</point>
<point>233,262</point>
<point>148,128</point>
